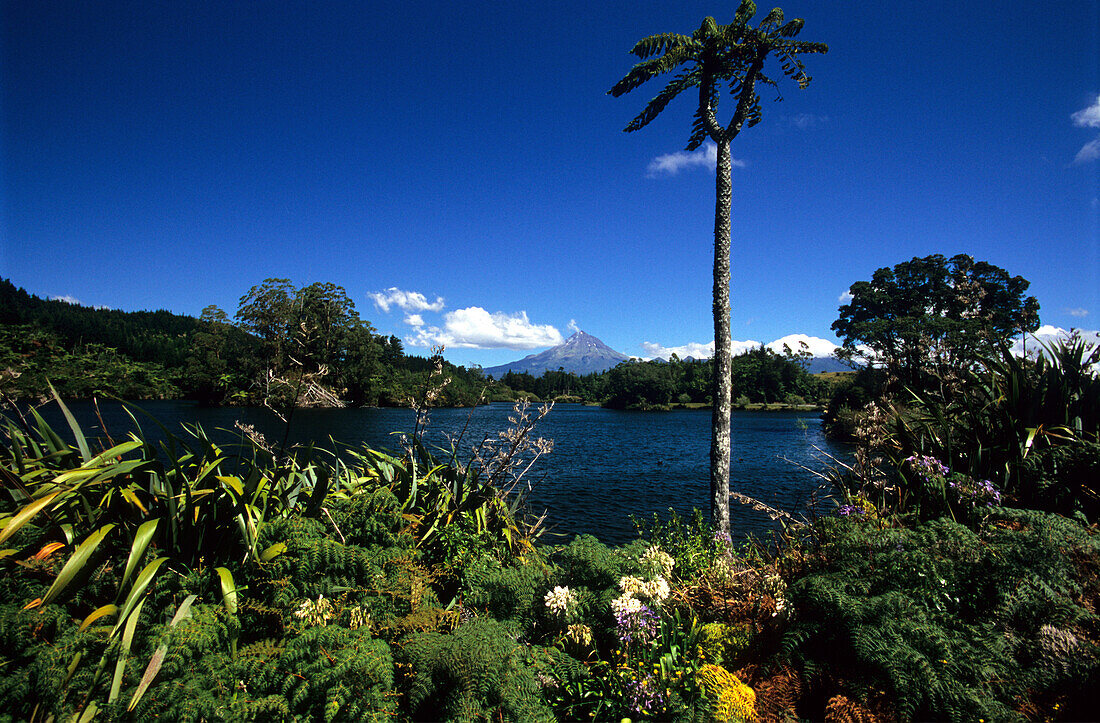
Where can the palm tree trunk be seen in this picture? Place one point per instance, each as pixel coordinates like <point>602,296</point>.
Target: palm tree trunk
<point>722,383</point>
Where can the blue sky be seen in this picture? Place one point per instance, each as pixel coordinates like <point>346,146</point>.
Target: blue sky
<point>172,155</point>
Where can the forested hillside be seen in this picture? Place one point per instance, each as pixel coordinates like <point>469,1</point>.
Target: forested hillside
<point>283,341</point>
<point>287,346</point>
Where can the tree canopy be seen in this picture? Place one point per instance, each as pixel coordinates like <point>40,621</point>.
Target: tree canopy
<point>933,311</point>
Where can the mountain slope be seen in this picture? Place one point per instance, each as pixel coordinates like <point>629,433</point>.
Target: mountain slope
<point>580,354</point>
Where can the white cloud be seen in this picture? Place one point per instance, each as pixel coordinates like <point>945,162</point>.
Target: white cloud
<point>1048,333</point>
<point>672,163</point>
<point>818,347</point>
<point>573,326</point>
<point>67,299</point>
<point>694,349</point>
<point>1088,117</point>
<point>846,297</point>
<point>414,320</point>
<point>806,121</point>
<point>1089,152</point>
<point>475,328</point>
<point>1078,312</point>
<point>410,301</point>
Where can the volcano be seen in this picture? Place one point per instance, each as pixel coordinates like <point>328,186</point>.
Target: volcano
<point>580,354</point>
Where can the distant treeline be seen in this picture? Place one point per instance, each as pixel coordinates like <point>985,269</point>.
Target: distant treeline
<point>760,376</point>
<point>308,346</point>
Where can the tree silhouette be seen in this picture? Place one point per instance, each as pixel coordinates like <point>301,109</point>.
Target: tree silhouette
<point>715,57</point>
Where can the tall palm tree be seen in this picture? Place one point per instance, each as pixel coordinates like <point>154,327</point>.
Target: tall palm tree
<point>715,57</point>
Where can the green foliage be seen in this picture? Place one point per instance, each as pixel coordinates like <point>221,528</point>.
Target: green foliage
<point>477,673</point>
<point>934,314</point>
<point>639,385</point>
<point>718,55</point>
<point>336,356</point>
<point>201,582</point>
<point>946,619</point>
<point>696,544</point>
<point>1031,427</point>
<point>31,358</point>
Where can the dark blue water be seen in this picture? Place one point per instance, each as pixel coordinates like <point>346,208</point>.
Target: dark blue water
<point>606,465</point>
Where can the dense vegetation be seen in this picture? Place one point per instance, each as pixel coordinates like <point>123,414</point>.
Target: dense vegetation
<point>957,579</point>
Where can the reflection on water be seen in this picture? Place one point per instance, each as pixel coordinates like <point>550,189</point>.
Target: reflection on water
<point>606,465</point>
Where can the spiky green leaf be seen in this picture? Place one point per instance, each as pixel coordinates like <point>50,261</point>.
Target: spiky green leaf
<point>76,563</point>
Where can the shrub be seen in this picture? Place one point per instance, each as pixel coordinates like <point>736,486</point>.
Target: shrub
<point>946,619</point>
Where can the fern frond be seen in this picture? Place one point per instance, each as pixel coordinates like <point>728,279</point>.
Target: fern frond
<point>653,109</point>
<point>772,21</point>
<point>649,69</point>
<point>660,43</point>
<point>744,12</point>
<point>792,28</point>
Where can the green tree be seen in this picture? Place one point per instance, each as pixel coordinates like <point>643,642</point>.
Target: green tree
<point>315,346</point>
<point>715,57</point>
<point>934,313</point>
<point>639,385</point>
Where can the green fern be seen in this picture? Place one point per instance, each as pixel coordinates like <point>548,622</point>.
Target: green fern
<point>477,673</point>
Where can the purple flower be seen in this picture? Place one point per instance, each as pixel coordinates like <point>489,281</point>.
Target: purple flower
<point>927,466</point>
<point>644,694</point>
<point>846,510</point>
<point>636,623</point>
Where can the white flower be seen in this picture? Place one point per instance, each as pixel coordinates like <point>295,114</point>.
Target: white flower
<point>626,604</point>
<point>560,599</point>
<point>580,634</point>
<point>657,562</point>
<point>631,585</point>
<point>657,590</point>
<point>315,612</point>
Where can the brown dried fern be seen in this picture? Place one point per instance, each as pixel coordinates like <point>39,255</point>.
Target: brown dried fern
<point>777,694</point>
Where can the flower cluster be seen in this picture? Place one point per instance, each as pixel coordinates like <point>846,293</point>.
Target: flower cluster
<point>656,589</point>
<point>559,600</point>
<point>315,612</point>
<point>927,467</point>
<point>859,506</point>
<point>974,492</point>
<point>656,562</point>
<point>634,620</point>
<point>776,588</point>
<point>579,634</point>
<point>644,696</point>
<point>360,618</point>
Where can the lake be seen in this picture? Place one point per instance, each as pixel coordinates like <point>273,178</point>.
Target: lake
<point>606,465</point>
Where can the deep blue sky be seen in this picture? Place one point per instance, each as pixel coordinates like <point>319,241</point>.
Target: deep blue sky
<point>173,154</point>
